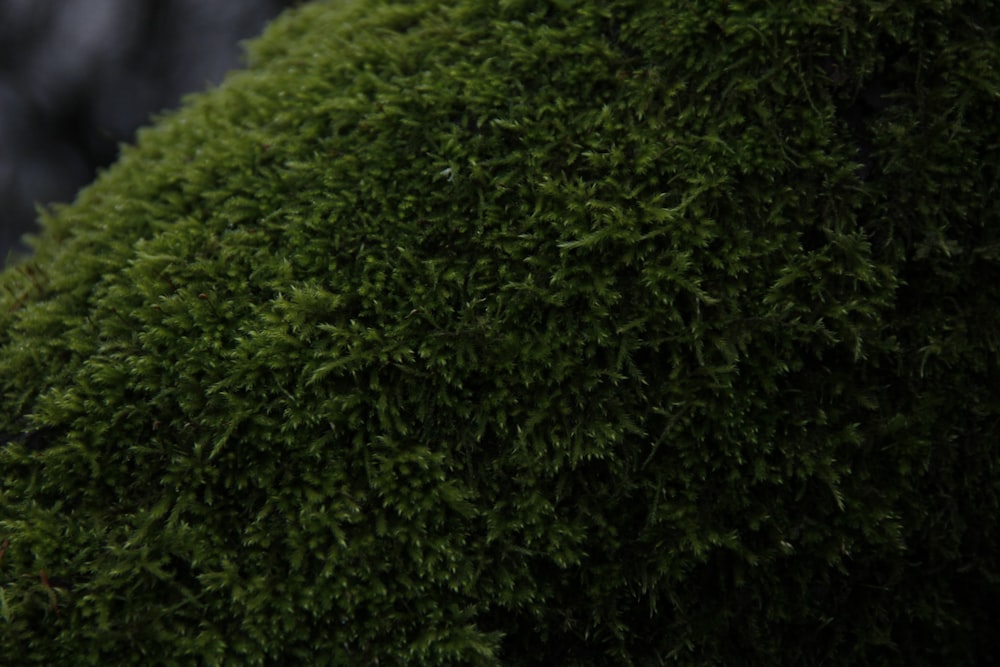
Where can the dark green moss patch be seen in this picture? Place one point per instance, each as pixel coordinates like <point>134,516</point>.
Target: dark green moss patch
<point>528,334</point>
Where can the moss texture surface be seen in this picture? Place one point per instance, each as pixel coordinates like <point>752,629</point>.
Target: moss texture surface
<point>526,333</point>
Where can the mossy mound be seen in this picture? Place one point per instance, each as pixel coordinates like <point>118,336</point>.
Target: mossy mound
<point>568,332</point>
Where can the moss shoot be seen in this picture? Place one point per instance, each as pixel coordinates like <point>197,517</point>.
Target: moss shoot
<point>569,332</point>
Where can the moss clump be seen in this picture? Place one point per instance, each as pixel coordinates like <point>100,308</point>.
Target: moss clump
<point>572,332</point>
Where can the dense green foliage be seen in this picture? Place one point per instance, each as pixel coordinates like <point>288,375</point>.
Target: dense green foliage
<point>526,333</point>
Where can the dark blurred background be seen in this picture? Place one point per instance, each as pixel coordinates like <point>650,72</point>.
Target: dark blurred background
<point>77,77</point>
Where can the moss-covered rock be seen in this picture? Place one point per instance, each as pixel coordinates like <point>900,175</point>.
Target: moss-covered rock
<point>526,333</point>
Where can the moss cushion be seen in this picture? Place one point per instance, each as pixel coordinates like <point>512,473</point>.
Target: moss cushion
<point>570,332</point>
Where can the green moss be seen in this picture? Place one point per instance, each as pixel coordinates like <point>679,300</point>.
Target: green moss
<point>567,332</point>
